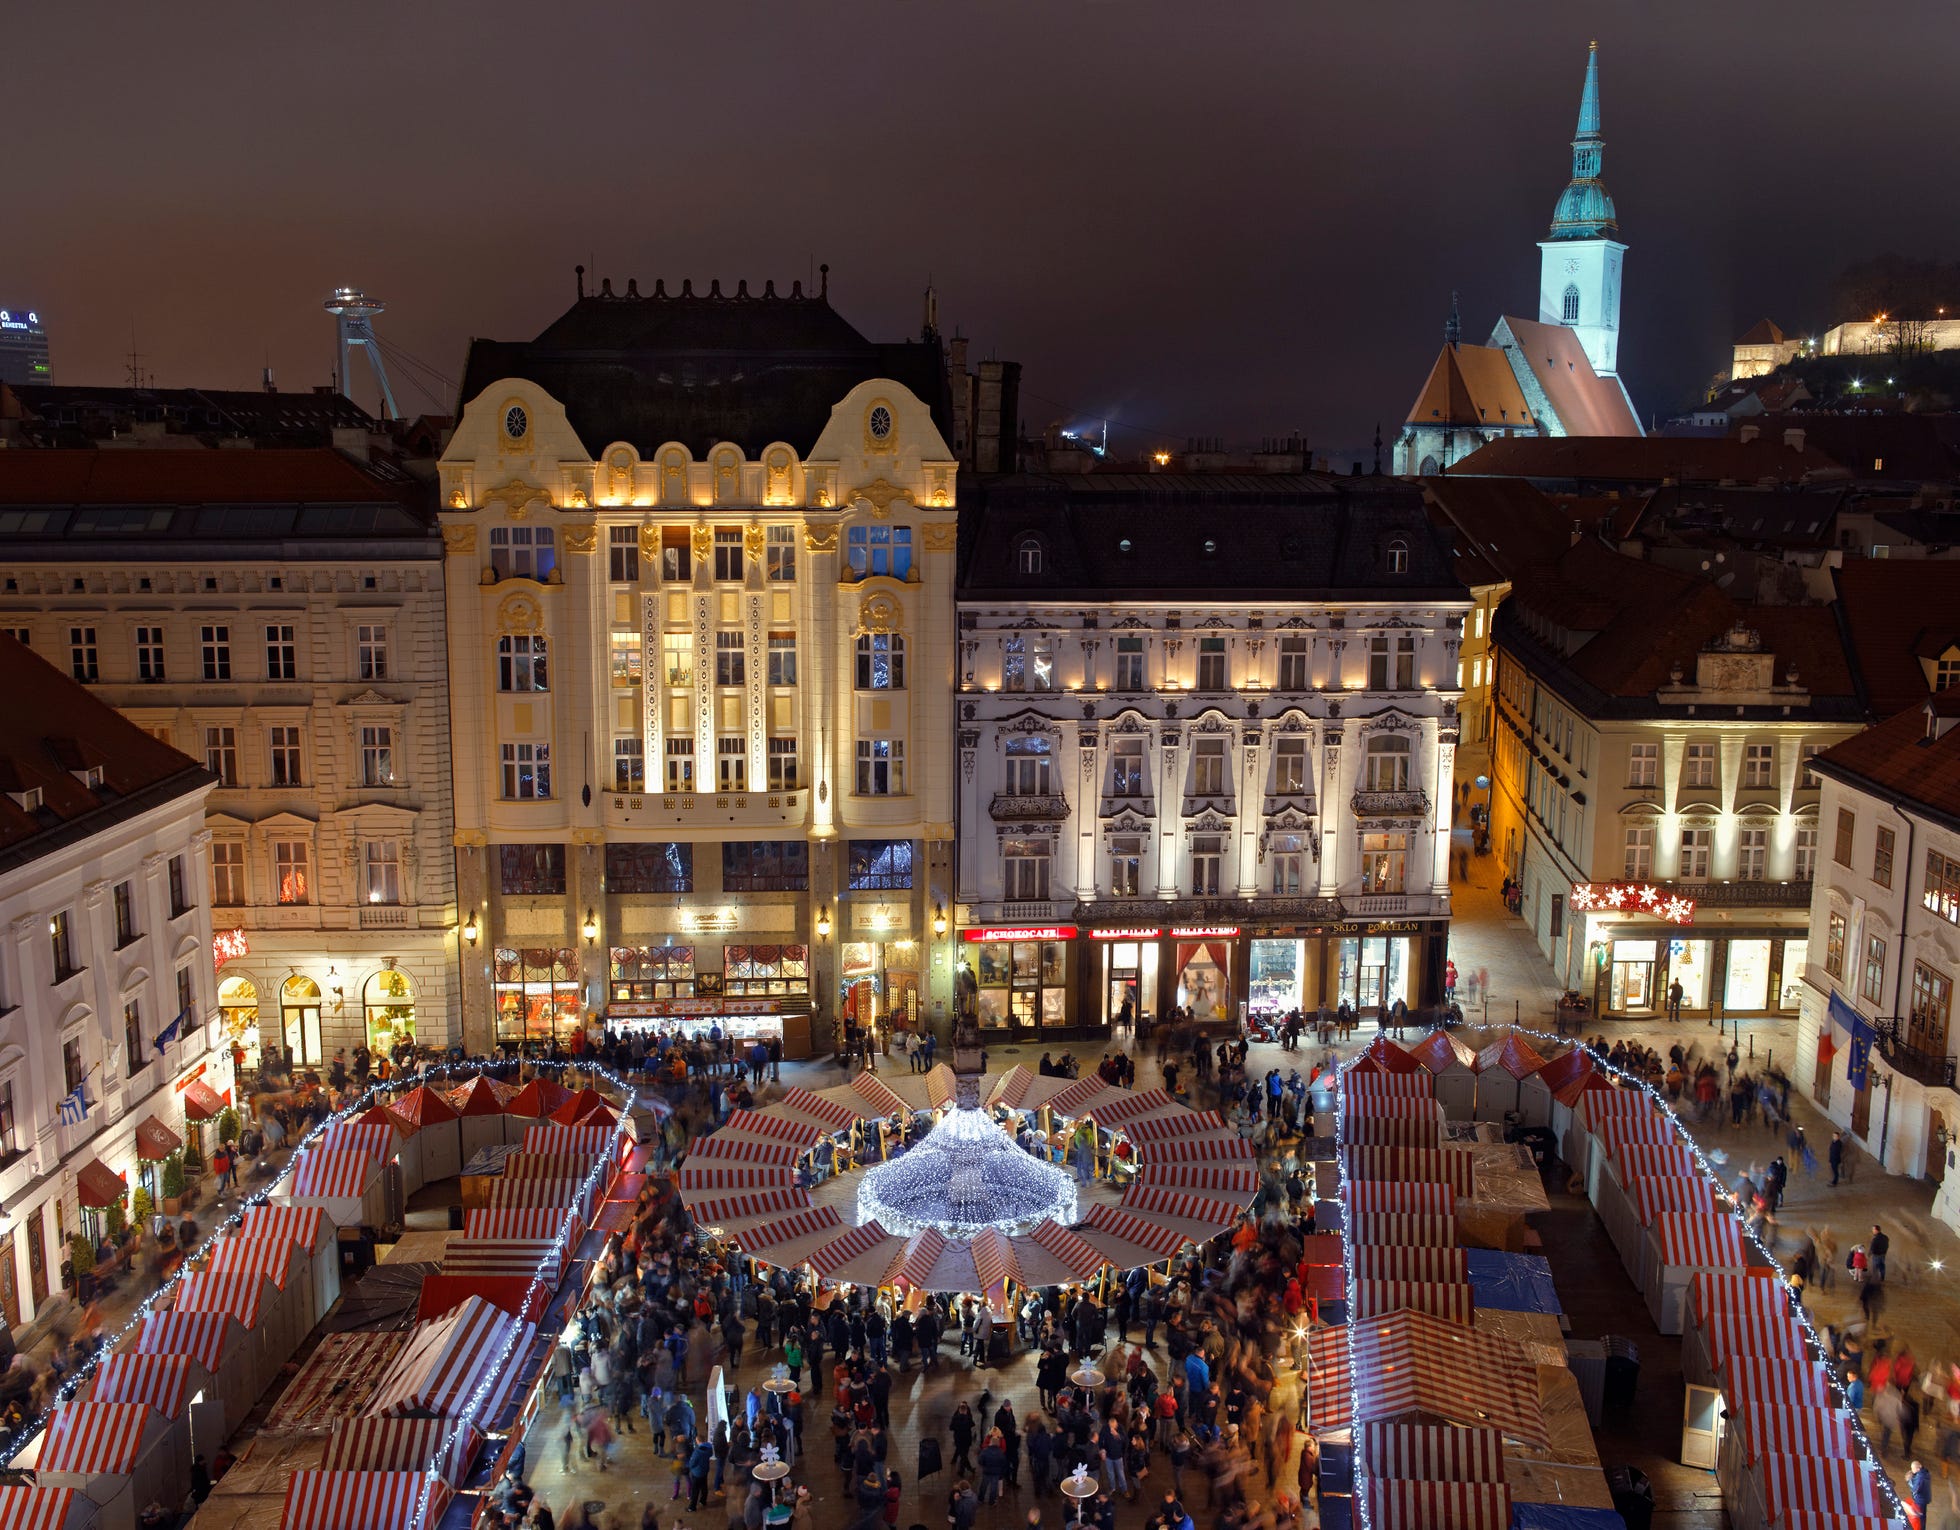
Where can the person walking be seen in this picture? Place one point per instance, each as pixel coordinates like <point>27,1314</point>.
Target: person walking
<point>1875,1252</point>
<point>1837,1155</point>
<point>1674,996</point>
<point>1919,1489</point>
<point>962,1428</point>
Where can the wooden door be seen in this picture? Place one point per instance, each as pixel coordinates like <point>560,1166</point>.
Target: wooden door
<point>37,1260</point>
<point>9,1283</point>
<point>1699,1427</point>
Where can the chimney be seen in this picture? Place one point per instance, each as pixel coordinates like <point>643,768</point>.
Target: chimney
<point>1793,438</point>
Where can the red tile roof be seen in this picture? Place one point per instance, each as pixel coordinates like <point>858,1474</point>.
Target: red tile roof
<point>55,727</point>
<point>1906,757</point>
<point>1650,459</point>
<point>1471,385</point>
<point>140,477</point>
<point>1585,403</point>
<point>1892,611</point>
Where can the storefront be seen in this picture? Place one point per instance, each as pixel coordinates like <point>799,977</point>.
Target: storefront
<point>1017,978</point>
<point>1749,971</point>
<point>538,992</point>
<point>747,1020</point>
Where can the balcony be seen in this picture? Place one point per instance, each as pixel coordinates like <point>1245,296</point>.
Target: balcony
<point>1033,913</point>
<point>1020,807</point>
<point>1391,804</point>
<point>1109,807</point>
<point>1196,804</point>
<point>1913,1058</point>
<point>383,916</point>
<point>1742,894</point>
<point>1379,905</point>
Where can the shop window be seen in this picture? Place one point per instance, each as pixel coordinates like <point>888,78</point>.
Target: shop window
<point>1758,764</point>
<point>657,867</point>
<point>1795,953</point>
<point>227,874</point>
<point>629,764</point>
<point>1631,987</point>
<point>1639,854</point>
<point>781,554</point>
<point>623,554</point>
<point>1834,933</point>
<point>1872,986</point>
<point>880,767</point>
<point>1126,866</point>
<point>1023,983</point>
<point>624,648</point>
<point>677,659</point>
<point>1126,768</point>
<point>1129,664</point>
<point>1025,865</point>
<point>1698,765</point>
<point>651,972</point>
<point>1211,664</point>
<point>680,764</point>
<point>523,552</point>
<point>883,551</point>
<point>1290,766</point>
<point>1752,855</point>
<point>1884,843</point>
<point>527,772</point>
<point>1847,832</point>
<point>299,1006</point>
<point>731,667</point>
<point>765,971</point>
<point>388,1002</point>
<point>1289,858</point>
<point>1273,972</point>
<point>728,554</point>
<point>1387,768</point>
<point>1293,663</point>
<point>521,664</point>
<point>1932,1003</point>
<point>383,866</point>
<point>1806,862</point>
<point>531,871</point>
<point>1746,983</point>
<point>537,993</point>
<point>732,763</point>
<point>1941,893</point>
<point>765,865</point>
<point>1208,768</point>
<point>676,554</point>
<point>1384,862</point>
<point>782,765</point>
<point>1028,767</point>
<point>292,871</point>
<point>1695,847</point>
<point>1204,982</point>
<point>1207,864</point>
<point>880,865</point>
<point>238,1009</point>
<point>880,661</point>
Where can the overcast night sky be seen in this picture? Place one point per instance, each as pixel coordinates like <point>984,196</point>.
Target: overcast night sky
<point>1235,219</point>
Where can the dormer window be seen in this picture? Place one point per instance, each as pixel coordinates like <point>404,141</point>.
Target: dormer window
<point>1028,556</point>
<point>1398,557</point>
<point>90,776</point>
<point>28,800</point>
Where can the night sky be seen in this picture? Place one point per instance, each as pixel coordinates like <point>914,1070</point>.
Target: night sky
<point>1239,219</point>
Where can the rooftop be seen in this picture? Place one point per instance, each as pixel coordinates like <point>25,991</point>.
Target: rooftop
<point>1559,461</point>
<point>1583,402</point>
<point>1913,755</point>
<point>1470,385</point>
<point>1893,611</point>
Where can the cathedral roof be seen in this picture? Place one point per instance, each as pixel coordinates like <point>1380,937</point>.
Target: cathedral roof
<point>1762,332</point>
<point>1470,385</point>
<point>1584,210</point>
<point>1580,401</point>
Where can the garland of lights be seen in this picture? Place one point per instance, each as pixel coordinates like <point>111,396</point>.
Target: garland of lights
<point>432,1474</point>
<point>964,1177</point>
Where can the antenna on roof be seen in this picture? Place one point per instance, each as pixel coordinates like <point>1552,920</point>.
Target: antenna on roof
<point>823,271</point>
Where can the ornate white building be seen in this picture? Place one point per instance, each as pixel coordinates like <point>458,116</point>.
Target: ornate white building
<point>1205,740</point>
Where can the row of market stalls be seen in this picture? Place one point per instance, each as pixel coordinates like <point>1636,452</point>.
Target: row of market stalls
<point>1187,1178</point>
<point>186,1375</point>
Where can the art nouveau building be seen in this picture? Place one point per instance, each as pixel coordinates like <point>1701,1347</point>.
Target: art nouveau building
<point>106,973</point>
<point>1205,738</point>
<point>702,699</point>
<point>278,616</point>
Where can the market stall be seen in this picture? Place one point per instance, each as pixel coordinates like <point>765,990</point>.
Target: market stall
<point>371,1444</point>
<point>1453,1067</point>
<point>1682,1243</point>
<point>224,1361</point>
<point>446,1359</point>
<point>310,1230</point>
<point>342,1500</point>
<point>1508,1081</point>
<point>120,1456</point>
<point>46,1508</point>
<point>348,1184</point>
<point>246,1297</point>
<point>437,1131</point>
<point>286,1315</point>
<point>482,1116</point>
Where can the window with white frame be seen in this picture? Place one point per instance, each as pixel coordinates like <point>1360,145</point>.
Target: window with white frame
<point>731,666</point>
<point>1639,853</point>
<point>83,655</point>
<point>527,772</point>
<point>1806,777</point>
<point>377,755</point>
<point>371,646</point>
<point>1398,557</point>
<point>782,764</point>
<point>1289,859</point>
<point>1695,847</point>
<point>214,644</point>
<point>880,767</point>
<point>680,764</point>
<point>1872,985</point>
<point>292,870</point>
<point>1946,670</point>
<point>880,661</point>
<point>1126,767</point>
<point>884,551</point>
<point>149,654</point>
<point>782,658</point>
<point>1211,664</point>
<point>1125,866</point>
<point>780,552</point>
<point>1028,767</point>
<point>523,552</point>
<point>1014,664</point>
<point>1387,763</point>
<point>1752,855</point>
<point>281,652</point>
<point>623,554</point>
<point>221,754</point>
<point>1041,665</point>
<point>1129,663</point>
<point>1643,764</point>
<point>629,764</point>
<point>1384,862</point>
<point>382,880</point>
<point>1758,764</point>
<point>728,554</point>
<point>732,763</point>
<point>1698,765</point>
<point>1208,768</point>
<point>677,659</point>
<point>521,663</point>
<point>284,747</point>
<point>1024,863</point>
<point>1290,765</point>
<point>227,874</point>
<point>1293,662</point>
<point>1207,864</point>
<point>1806,866</point>
<point>1028,555</point>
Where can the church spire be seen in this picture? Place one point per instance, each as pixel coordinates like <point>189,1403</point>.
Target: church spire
<point>1585,211</point>
<point>1453,325</point>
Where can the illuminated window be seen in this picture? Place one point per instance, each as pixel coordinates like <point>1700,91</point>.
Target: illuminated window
<point>383,871</point>
<point>291,870</point>
<point>521,664</point>
<point>629,764</point>
<point>523,552</point>
<point>527,772</point>
<point>881,661</point>
<point>880,550</point>
<point>1384,862</point>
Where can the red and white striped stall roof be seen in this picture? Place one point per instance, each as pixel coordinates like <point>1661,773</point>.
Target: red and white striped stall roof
<point>1207,1147</point>
<point>301,1224</point>
<point>1439,1052</point>
<point>1709,1239</point>
<point>519,1222</point>
<point>713,1176</point>
<point>1376,1262</point>
<point>201,1335</point>
<point>1831,1484</point>
<point>529,1165</point>
<point>162,1382</point>
<point>1378,1298</point>
<point>363,1501</point>
<point>1324,1248</point>
<point>445,1361</point>
<point>334,1172</point>
<point>1186,1123</point>
<point>1404,1505</point>
<point>1330,1399</point>
<point>269,1258</point>
<point>1804,1519</point>
<point>941,1085</point>
<point>1785,1431</point>
<point>43,1508</point>
<point>1616,1131</point>
<point>1411,1362</point>
<point>1118,1223</point>
<point>855,1243</point>
<point>1651,1196</point>
<point>922,1251</point>
<point>1074,1098</point>
<point>1411,1131</point>
<point>1183,1205</point>
<point>756,1205</point>
<point>993,1258</point>
<point>1081,1257</point>
<point>1391,1195</point>
<point>93,1439</point>
<point>1011,1087</point>
<point>1770,1334</point>
<point>1752,1381</point>
<point>880,1096</point>
<point>401,1445</point>
<point>834,1114</point>
<point>503,1256</point>
<point>1325,1283</point>
<point>1617,1104</point>
<point>238,1292</point>
<point>742,1150</point>
<point>1235,1179</point>
<point>374,1138</point>
<point>759,1123</point>
<point>1736,1291</point>
<point>1433,1452</point>
<point>1365,1088</point>
<point>1443,1166</point>
<point>790,1229</point>
<point>562,1193</point>
<point>1408,1227</point>
<point>1134,1104</point>
<point>589,1141</point>
<point>1657,1160</point>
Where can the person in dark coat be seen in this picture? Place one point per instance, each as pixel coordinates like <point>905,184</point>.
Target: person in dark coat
<point>962,1429</point>
<point>1010,1438</point>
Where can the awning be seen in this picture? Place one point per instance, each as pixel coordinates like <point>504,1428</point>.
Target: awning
<point>1409,1362</point>
<point>155,1141</point>
<point>203,1336</point>
<point>402,1445</point>
<point>39,1508</point>
<point>201,1102</point>
<point>448,1359</point>
<point>1651,1196</point>
<point>1829,1484</point>
<point>1400,1505</point>
<point>98,1185</point>
<point>93,1439</point>
<point>1433,1453</point>
<point>363,1501</point>
<point>1381,1298</point>
<point>161,1382</point>
<point>1707,1240</point>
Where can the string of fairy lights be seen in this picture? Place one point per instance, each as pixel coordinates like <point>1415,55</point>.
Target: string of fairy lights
<point>1819,1351</point>
<point>466,1419</point>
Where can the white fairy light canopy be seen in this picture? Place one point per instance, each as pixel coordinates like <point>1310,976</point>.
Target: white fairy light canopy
<point>965,1176</point>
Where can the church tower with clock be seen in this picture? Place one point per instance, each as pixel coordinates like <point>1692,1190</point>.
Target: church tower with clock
<point>1579,272</point>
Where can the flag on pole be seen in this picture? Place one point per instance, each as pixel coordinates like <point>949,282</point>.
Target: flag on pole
<point>171,1031</point>
<point>74,1105</point>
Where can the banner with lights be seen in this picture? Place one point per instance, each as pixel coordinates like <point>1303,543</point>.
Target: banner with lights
<point>1632,898</point>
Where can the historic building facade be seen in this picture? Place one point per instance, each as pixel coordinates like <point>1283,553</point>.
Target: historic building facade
<point>1205,739</point>
<point>702,699</point>
<point>278,616</point>
<point>106,971</point>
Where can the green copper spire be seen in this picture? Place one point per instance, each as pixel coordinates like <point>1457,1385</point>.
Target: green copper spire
<point>1585,211</point>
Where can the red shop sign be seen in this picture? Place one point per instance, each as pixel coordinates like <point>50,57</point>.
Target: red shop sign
<point>1137,934</point>
<point>1031,932</point>
<point>1205,932</point>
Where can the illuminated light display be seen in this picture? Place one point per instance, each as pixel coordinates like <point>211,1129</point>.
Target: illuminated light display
<point>1632,898</point>
<point>965,1176</point>
<point>228,946</point>
<point>1029,932</point>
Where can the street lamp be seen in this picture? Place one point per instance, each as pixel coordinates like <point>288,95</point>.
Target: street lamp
<point>823,924</point>
<point>591,928</point>
<point>469,927</point>
<point>939,919</point>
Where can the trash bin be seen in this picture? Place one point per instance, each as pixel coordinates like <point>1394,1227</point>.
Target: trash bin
<point>1622,1370</point>
<point>1000,1344</point>
<point>455,1218</point>
<point>1633,1496</point>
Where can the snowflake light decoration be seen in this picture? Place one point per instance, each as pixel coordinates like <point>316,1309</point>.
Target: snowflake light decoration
<point>965,1176</point>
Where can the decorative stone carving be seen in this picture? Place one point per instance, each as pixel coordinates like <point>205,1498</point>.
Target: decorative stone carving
<point>520,611</point>
<point>704,542</point>
<point>939,536</point>
<point>459,539</point>
<point>879,495</point>
<point>752,542</point>
<point>880,613</point>
<point>518,497</point>
<point>582,537</point>
<point>820,539</point>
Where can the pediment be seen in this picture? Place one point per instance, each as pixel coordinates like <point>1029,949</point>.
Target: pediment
<point>370,698</point>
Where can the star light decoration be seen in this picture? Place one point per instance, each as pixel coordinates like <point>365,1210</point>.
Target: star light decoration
<point>1632,898</point>
<point>964,1176</point>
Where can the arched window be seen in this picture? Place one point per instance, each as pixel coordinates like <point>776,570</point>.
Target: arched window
<point>1571,305</point>
<point>880,661</point>
<point>1388,763</point>
<point>388,1002</point>
<point>1398,557</point>
<point>1028,555</point>
<point>1430,467</point>
<point>299,1004</point>
<point>238,1006</point>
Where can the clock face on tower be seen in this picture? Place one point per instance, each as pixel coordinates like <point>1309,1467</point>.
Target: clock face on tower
<point>1572,265</point>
